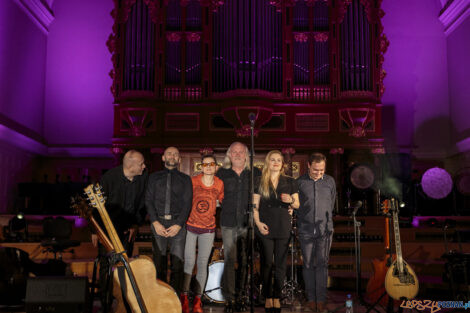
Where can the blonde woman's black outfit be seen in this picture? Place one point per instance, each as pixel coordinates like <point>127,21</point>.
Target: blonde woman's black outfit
<point>274,213</point>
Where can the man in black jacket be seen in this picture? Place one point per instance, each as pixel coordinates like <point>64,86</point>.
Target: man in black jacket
<point>236,176</point>
<point>123,187</point>
<point>168,200</point>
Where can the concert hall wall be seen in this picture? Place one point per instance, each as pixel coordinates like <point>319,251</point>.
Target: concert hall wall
<point>56,104</point>
<point>458,46</point>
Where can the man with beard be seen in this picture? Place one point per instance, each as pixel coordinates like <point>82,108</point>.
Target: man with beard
<point>168,200</point>
<point>235,175</point>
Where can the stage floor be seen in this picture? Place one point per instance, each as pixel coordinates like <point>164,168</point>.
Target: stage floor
<point>336,301</point>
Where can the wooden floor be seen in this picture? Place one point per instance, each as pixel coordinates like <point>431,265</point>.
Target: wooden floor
<point>336,300</point>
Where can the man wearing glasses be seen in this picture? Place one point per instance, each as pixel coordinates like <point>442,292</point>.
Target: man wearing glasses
<point>207,190</point>
<point>168,201</point>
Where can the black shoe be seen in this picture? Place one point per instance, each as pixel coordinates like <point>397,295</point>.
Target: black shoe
<point>275,310</point>
<point>268,310</point>
<point>241,306</point>
<point>229,306</point>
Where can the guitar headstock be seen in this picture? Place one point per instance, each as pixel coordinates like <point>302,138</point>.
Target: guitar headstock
<point>386,206</point>
<point>81,207</point>
<point>95,195</point>
<point>394,206</point>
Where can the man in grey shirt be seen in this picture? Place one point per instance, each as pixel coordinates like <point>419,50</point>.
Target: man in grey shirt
<point>317,194</point>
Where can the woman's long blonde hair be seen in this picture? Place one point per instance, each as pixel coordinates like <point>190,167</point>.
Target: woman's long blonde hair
<point>265,182</point>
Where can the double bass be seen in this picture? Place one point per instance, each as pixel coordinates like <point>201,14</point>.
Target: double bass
<point>154,295</point>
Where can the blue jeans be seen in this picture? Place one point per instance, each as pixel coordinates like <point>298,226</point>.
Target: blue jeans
<point>235,247</point>
<point>315,253</point>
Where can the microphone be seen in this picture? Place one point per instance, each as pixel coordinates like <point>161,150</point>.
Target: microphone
<point>355,206</point>
<point>252,117</point>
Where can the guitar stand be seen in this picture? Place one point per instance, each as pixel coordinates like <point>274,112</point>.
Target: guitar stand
<point>113,259</point>
<point>372,306</point>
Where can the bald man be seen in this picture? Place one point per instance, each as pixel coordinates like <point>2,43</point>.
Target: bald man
<point>168,200</point>
<point>124,189</point>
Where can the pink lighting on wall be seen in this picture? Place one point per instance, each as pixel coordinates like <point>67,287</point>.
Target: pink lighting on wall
<point>320,36</point>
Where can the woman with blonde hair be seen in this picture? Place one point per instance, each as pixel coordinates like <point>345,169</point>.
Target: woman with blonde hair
<point>275,196</point>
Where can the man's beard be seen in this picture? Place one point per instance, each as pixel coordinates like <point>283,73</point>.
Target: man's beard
<point>171,163</point>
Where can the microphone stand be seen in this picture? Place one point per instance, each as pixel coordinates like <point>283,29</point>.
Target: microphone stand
<point>357,249</point>
<point>251,228</point>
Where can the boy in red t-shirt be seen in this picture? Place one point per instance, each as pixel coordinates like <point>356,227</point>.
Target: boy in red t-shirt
<point>207,190</point>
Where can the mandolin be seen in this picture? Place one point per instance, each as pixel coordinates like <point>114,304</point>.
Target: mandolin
<point>400,280</point>
<point>156,295</point>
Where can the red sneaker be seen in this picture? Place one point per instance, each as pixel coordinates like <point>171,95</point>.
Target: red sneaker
<point>197,305</point>
<point>184,303</point>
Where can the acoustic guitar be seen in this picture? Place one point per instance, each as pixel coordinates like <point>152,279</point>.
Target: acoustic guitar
<point>400,281</point>
<point>156,295</point>
<point>376,285</point>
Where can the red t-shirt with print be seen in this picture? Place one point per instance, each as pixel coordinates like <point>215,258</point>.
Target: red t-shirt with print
<point>205,198</point>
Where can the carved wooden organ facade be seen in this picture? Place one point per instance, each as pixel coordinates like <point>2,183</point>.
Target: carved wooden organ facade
<point>188,73</point>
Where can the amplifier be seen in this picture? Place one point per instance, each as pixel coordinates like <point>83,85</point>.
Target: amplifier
<point>57,294</point>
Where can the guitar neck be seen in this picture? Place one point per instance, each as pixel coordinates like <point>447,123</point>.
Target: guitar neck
<point>101,235</point>
<point>113,236</point>
<point>396,229</point>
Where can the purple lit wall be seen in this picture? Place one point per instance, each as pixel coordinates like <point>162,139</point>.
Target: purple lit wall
<point>22,69</point>
<point>22,75</point>
<point>15,166</point>
<point>458,45</point>
<point>79,104</point>
<point>417,81</point>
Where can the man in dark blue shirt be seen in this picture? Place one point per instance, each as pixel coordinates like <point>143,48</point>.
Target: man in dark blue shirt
<point>317,194</point>
<point>168,200</point>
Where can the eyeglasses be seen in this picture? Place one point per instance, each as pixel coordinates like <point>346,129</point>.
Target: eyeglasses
<point>208,164</point>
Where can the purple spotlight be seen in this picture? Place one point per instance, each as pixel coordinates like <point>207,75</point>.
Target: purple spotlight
<point>80,222</point>
<point>436,183</point>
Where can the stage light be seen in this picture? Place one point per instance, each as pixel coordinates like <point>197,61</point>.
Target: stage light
<point>432,222</point>
<point>17,229</point>
<point>402,204</point>
<point>17,224</point>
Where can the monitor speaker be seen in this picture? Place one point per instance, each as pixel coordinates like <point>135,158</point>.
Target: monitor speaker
<point>57,294</point>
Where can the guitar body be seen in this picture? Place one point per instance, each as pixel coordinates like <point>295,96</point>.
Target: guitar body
<point>375,286</point>
<point>158,296</point>
<point>403,285</point>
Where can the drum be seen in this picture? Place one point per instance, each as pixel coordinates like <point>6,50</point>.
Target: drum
<point>213,290</point>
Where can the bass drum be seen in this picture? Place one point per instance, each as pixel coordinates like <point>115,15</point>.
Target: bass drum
<point>213,290</point>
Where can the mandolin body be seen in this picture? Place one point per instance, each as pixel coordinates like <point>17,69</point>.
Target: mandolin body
<point>158,295</point>
<point>401,286</point>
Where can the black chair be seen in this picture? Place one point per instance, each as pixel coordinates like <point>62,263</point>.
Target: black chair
<point>57,232</point>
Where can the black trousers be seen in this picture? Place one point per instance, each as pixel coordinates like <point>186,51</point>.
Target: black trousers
<point>274,260</point>
<point>176,244</point>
